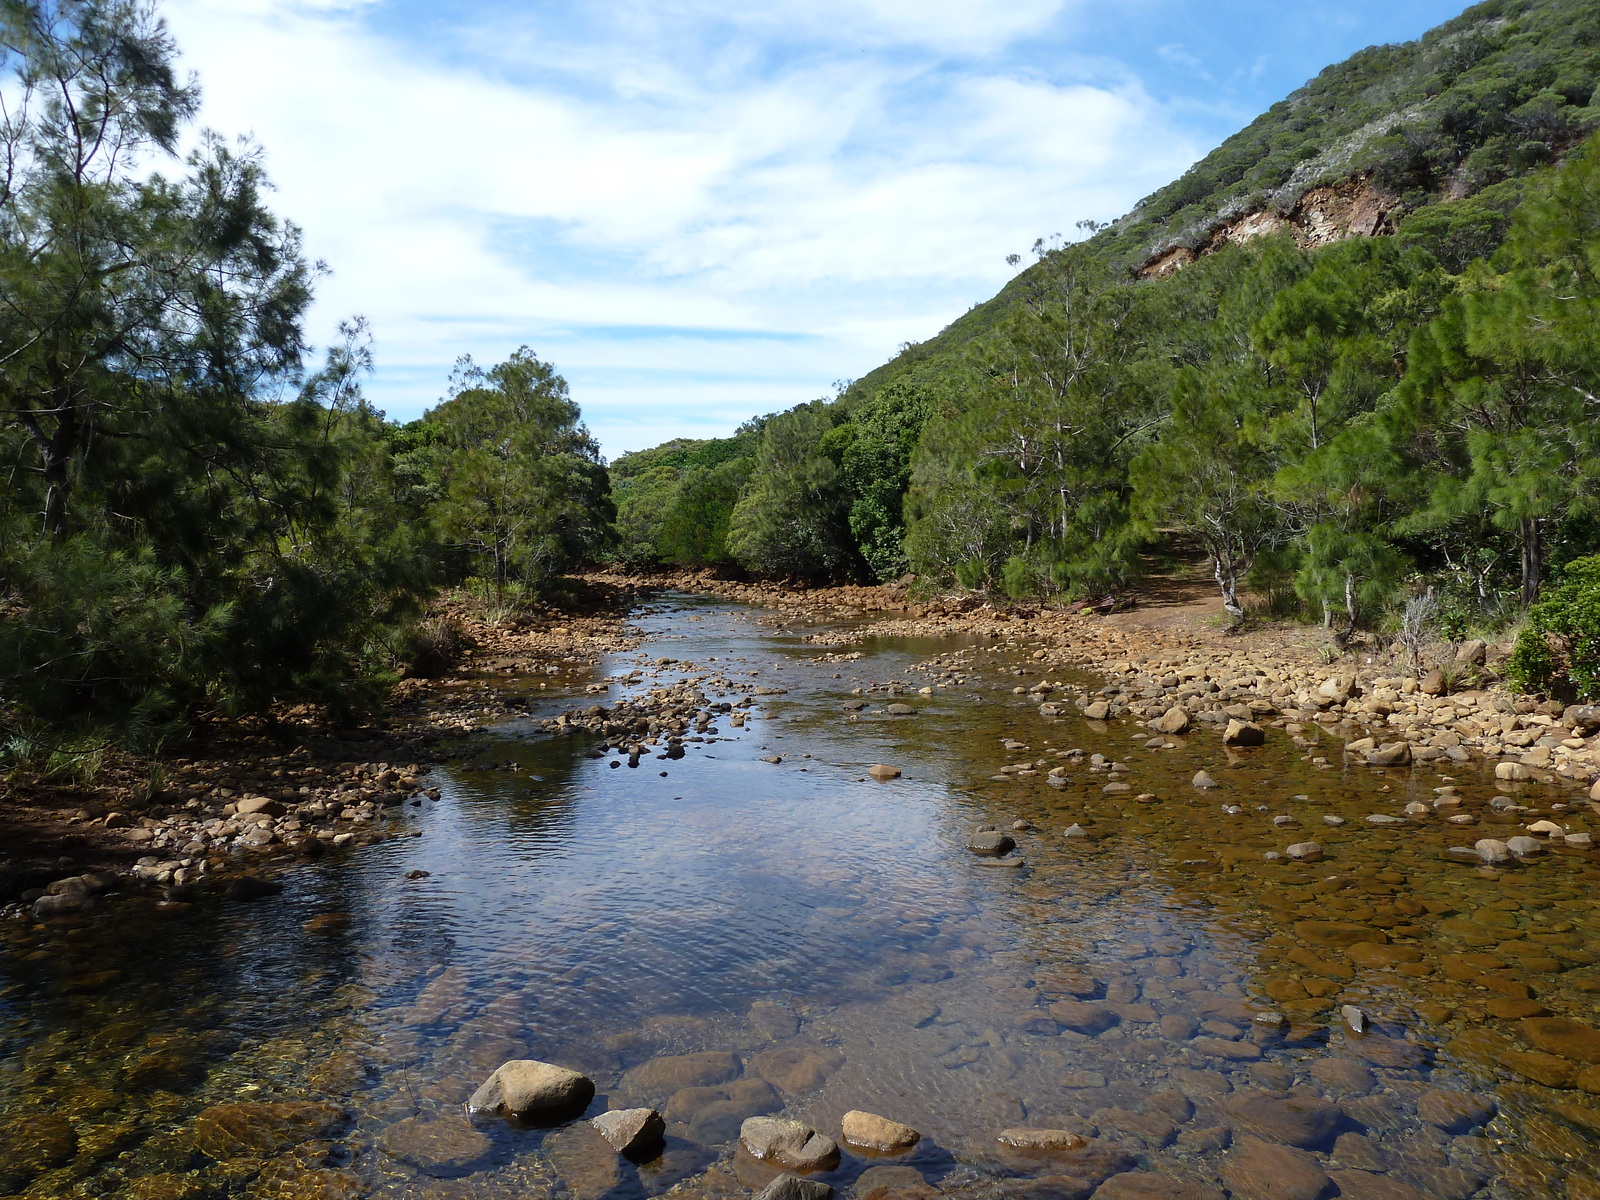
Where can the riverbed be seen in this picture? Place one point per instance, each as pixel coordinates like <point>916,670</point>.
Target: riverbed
<point>717,935</point>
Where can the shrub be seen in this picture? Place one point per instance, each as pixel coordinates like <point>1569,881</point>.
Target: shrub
<point>1558,650</point>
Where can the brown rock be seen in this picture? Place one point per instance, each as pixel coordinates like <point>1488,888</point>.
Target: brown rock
<point>788,1144</point>
<point>1455,1112</point>
<point>1148,1185</point>
<point>1297,1121</point>
<point>1153,1130</point>
<point>1172,722</point>
<point>1576,1040</point>
<point>879,1135</point>
<point>1548,1069</point>
<point>533,1090</point>
<point>259,804</point>
<point>1230,1050</point>
<point>1042,1139</point>
<point>881,1183</point>
<point>36,1142</point>
<point>669,1073</point>
<point>1083,1017</point>
<point>1257,1170</point>
<point>1089,1159</point>
<point>1390,754</point>
<point>443,1147</point>
<point>796,1069</point>
<point>881,771</point>
<point>584,1160</point>
<point>1358,1151</point>
<point>636,1133</point>
<point>1343,1076</point>
<point>1243,733</point>
<point>1508,1008</point>
<point>1374,954</point>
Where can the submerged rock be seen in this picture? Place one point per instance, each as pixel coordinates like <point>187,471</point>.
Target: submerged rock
<point>442,1147</point>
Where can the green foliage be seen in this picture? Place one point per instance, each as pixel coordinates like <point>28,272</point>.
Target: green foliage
<point>1558,649</point>
<point>192,522</point>
<point>675,501</point>
<point>793,519</point>
<point>1056,405</point>
<point>524,495</point>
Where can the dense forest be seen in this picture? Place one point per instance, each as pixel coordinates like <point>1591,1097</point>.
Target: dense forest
<point>205,516</point>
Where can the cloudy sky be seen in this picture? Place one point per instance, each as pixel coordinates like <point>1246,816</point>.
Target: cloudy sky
<point>701,210</point>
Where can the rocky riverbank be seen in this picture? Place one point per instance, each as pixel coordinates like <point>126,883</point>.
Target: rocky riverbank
<point>238,794</point>
<point>1179,671</point>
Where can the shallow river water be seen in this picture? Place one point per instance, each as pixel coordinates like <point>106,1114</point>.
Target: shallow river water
<point>720,936</point>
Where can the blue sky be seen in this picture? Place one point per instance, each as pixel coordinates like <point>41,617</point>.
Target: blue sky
<point>701,210</point>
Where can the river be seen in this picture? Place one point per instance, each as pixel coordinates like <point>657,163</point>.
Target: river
<point>718,936</point>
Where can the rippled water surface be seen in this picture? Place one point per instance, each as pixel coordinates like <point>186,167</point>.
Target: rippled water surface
<point>719,936</point>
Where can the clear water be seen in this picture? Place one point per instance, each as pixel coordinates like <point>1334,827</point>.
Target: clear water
<point>830,932</point>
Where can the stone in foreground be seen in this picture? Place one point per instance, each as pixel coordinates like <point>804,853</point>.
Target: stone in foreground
<point>882,771</point>
<point>991,842</point>
<point>792,1187</point>
<point>867,1131</point>
<point>790,1144</point>
<point>1244,733</point>
<point>538,1091</point>
<point>636,1133</point>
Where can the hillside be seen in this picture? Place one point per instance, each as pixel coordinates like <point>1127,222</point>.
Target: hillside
<point>1473,105</point>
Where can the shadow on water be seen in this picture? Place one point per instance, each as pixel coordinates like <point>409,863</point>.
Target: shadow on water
<point>720,936</point>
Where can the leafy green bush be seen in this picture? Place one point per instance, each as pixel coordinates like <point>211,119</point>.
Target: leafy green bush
<point>1558,649</point>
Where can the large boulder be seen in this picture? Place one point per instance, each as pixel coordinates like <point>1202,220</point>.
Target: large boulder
<point>533,1090</point>
<point>1390,754</point>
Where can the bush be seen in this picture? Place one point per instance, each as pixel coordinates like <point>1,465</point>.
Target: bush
<point>1558,650</point>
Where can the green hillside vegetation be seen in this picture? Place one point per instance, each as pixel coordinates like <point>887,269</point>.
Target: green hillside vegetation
<point>1337,420</point>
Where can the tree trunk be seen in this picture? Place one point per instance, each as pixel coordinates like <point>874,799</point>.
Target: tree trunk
<point>1228,580</point>
<point>1532,559</point>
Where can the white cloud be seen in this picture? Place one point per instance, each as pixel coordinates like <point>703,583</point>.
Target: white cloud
<point>585,194</point>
